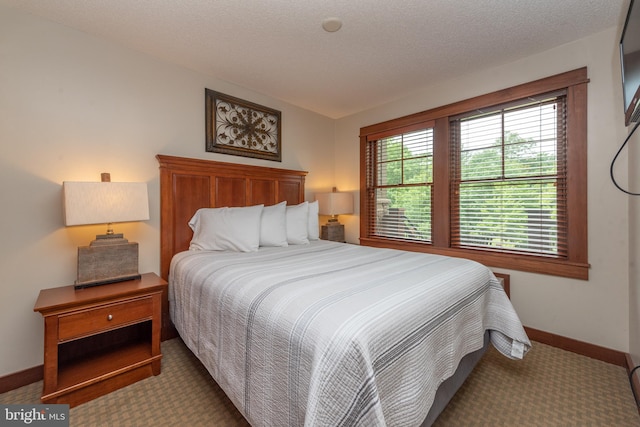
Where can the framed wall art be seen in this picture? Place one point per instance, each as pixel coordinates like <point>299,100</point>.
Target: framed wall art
<point>241,128</point>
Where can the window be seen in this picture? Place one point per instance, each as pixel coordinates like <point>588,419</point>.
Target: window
<point>499,178</point>
<point>508,181</point>
<point>402,185</point>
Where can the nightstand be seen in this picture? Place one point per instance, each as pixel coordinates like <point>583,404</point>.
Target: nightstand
<point>100,339</point>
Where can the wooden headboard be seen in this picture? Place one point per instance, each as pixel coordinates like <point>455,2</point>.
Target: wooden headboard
<point>187,185</point>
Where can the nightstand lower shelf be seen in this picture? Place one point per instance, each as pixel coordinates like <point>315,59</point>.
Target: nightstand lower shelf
<point>102,374</point>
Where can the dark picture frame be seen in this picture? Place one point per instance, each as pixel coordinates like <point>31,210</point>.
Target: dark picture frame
<point>242,128</point>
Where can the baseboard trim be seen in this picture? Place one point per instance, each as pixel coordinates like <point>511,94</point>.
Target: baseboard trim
<point>31,375</point>
<point>20,379</point>
<point>590,350</point>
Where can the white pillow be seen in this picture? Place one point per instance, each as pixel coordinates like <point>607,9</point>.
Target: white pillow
<point>220,229</point>
<point>298,224</point>
<point>313,232</point>
<point>273,225</point>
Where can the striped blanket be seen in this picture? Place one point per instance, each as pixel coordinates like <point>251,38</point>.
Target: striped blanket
<point>331,334</point>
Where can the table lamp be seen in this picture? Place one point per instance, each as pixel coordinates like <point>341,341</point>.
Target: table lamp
<point>334,204</point>
<point>110,257</point>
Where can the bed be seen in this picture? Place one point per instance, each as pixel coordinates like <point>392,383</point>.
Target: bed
<point>312,332</point>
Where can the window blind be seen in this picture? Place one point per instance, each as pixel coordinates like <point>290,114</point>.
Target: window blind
<point>400,184</point>
<point>508,188</point>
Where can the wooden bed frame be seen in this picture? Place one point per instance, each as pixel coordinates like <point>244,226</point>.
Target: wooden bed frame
<point>187,185</point>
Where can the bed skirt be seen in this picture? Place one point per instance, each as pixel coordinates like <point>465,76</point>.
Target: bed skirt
<point>450,386</point>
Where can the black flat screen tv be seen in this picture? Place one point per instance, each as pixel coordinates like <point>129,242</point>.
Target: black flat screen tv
<point>630,61</point>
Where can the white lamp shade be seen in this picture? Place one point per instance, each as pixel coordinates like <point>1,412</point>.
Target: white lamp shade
<point>104,202</point>
<point>334,203</point>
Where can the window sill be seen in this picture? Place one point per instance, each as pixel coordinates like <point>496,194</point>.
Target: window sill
<point>533,264</point>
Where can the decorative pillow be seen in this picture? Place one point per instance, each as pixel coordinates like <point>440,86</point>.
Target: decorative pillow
<point>220,229</point>
<point>313,232</point>
<point>298,224</point>
<point>273,225</point>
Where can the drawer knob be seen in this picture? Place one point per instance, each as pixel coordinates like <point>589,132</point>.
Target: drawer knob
<point>110,317</point>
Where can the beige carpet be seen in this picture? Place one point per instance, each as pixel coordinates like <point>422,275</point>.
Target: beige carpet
<point>550,387</point>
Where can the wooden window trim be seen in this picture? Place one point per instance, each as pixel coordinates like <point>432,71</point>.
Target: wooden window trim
<point>576,264</point>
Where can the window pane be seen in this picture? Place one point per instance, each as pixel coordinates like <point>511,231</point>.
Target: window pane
<point>390,149</point>
<point>418,170</point>
<point>481,132</point>
<point>521,216</point>
<point>390,173</point>
<point>531,141</point>
<point>404,213</point>
<point>481,164</point>
<point>418,143</point>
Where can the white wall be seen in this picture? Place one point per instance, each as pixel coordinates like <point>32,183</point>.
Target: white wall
<point>597,310</point>
<point>73,106</point>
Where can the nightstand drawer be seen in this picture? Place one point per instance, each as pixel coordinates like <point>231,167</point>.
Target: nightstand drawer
<point>87,322</point>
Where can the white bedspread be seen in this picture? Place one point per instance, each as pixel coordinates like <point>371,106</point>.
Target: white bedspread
<point>331,334</point>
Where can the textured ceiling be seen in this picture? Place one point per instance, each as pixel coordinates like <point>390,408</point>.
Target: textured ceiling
<point>384,50</point>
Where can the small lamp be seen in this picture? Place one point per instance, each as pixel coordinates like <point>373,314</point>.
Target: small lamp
<point>110,257</point>
<point>334,204</point>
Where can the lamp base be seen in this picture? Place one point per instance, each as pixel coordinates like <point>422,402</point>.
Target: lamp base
<point>333,231</point>
<point>90,284</point>
<point>108,259</point>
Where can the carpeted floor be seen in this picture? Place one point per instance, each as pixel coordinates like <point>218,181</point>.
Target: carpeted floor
<point>550,387</point>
